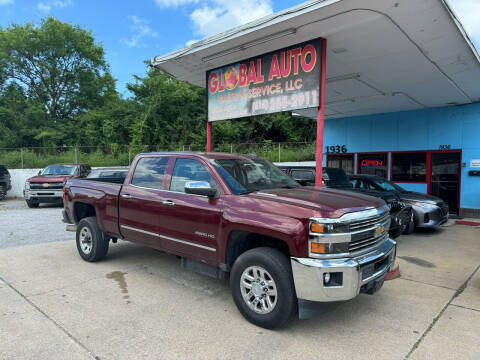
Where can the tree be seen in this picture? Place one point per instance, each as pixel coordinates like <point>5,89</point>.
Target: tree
<point>172,112</point>
<point>58,65</point>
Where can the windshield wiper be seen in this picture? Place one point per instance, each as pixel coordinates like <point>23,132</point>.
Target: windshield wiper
<point>288,187</point>
<point>248,191</point>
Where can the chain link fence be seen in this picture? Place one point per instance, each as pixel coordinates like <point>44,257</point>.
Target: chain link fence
<point>122,155</point>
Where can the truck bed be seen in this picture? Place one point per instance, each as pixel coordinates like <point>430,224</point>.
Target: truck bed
<point>101,195</point>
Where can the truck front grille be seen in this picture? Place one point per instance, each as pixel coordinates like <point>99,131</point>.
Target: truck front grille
<point>352,233</point>
<point>46,186</point>
<point>364,232</point>
<point>367,223</point>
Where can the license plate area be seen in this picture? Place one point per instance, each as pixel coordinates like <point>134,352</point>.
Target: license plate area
<point>370,269</point>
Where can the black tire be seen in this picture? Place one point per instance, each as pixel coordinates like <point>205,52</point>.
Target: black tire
<point>3,192</point>
<point>88,229</point>
<point>32,204</point>
<point>278,267</point>
<point>396,233</point>
<point>410,227</point>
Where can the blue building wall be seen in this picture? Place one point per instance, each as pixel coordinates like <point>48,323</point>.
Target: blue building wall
<point>428,129</point>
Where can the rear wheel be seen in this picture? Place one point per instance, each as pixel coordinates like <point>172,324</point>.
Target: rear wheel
<point>262,287</point>
<point>3,192</point>
<point>91,243</point>
<point>32,204</point>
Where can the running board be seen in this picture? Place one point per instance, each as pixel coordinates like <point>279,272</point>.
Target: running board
<point>202,268</point>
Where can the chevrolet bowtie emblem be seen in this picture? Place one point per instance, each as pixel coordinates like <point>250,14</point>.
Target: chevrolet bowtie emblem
<point>45,185</point>
<point>379,231</point>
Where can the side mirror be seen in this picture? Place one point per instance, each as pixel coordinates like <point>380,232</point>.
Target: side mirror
<point>200,188</point>
<point>40,172</point>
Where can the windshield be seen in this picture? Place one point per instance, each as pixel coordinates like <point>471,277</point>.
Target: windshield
<point>335,178</point>
<point>60,170</point>
<point>244,175</point>
<point>388,185</point>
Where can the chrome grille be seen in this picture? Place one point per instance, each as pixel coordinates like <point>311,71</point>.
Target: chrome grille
<point>47,186</point>
<point>369,222</point>
<point>360,245</point>
<point>363,232</point>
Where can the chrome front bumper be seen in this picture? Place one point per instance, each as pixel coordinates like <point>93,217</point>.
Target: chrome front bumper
<point>42,194</point>
<point>357,274</point>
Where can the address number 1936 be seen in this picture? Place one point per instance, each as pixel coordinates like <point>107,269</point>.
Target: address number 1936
<point>336,149</point>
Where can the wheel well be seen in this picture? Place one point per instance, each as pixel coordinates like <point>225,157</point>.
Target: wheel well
<point>82,210</point>
<point>240,241</point>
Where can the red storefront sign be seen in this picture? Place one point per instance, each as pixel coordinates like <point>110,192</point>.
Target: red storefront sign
<point>282,80</point>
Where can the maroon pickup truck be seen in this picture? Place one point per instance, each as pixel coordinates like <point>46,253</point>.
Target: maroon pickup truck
<point>284,246</point>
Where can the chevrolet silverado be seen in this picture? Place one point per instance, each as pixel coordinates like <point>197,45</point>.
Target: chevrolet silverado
<point>284,246</point>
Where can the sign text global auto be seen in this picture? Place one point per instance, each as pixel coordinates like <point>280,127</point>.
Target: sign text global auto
<point>282,80</point>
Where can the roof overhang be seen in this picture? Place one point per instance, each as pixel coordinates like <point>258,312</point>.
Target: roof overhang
<point>383,55</point>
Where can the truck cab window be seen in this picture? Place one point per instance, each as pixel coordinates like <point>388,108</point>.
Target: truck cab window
<point>149,172</point>
<point>188,170</point>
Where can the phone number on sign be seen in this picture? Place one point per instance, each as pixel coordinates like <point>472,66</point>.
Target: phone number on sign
<point>280,103</point>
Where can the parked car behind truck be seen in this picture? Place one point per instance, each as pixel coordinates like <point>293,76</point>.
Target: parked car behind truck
<point>428,210</point>
<point>400,211</point>
<point>283,245</point>
<point>5,182</point>
<point>46,187</point>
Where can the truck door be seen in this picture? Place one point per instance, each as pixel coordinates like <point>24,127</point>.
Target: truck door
<point>141,199</point>
<point>190,225</point>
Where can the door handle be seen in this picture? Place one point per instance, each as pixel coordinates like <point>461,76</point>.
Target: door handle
<point>168,202</point>
<point>126,196</point>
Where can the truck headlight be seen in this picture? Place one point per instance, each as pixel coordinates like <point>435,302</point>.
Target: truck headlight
<point>27,185</point>
<point>328,238</point>
<point>331,228</point>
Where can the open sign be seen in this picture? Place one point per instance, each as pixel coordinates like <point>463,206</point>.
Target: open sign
<point>372,162</point>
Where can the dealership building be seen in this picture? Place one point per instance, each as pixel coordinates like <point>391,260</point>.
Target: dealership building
<point>402,88</point>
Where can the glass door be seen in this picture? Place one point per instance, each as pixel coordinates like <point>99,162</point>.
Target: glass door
<point>445,178</point>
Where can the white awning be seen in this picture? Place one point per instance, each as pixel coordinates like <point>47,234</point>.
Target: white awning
<point>382,56</point>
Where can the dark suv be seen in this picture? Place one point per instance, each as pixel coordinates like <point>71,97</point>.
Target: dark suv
<point>5,182</point>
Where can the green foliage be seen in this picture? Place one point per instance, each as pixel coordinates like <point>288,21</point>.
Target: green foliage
<point>58,65</point>
<point>56,91</point>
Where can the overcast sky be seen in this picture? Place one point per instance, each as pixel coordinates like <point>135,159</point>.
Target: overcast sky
<point>134,31</point>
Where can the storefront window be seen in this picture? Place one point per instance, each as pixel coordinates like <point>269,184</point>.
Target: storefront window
<point>373,164</point>
<point>409,167</point>
<point>344,162</point>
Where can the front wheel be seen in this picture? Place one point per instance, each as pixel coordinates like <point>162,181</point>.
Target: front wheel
<point>262,287</point>
<point>91,243</point>
<point>32,204</point>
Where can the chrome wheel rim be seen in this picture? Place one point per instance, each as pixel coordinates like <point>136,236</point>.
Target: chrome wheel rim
<point>85,240</point>
<point>259,290</point>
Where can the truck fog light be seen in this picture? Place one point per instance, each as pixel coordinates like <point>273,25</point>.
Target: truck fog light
<point>318,248</point>
<point>326,278</point>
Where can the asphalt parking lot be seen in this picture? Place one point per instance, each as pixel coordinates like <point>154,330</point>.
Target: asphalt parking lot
<point>139,303</point>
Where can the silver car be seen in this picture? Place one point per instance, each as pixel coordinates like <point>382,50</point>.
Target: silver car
<point>428,210</point>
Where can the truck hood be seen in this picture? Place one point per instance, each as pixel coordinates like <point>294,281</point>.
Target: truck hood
<point>331,203</point>
<point>420,197</point>
<point>49,178</point>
